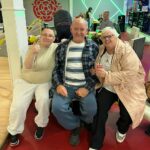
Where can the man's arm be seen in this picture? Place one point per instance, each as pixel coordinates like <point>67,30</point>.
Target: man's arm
<point>91,79</point>
<point>57,72</point>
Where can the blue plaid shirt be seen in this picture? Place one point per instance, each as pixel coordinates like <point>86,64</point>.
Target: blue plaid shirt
<point>89,54</point>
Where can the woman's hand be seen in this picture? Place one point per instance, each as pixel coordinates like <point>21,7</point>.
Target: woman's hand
<point>100,71</point>
<point>31,56</point>
<point>35,48</point>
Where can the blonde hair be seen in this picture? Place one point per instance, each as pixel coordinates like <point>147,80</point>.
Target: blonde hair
<point>112,30</point>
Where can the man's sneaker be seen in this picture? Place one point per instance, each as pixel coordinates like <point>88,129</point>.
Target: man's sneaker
<point>39,133</point>
<point>88,126</point>
<point>120,137</point>
<point>14,141</point>
<point>75,137</point>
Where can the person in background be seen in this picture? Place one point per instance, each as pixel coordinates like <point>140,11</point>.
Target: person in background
<point>96,23</point>
<point>121,75</point>
<point>88,16</point>
<point>100,19</point>
<point>73,80</point>
<point>105,22</point>
<point>140,5</point>
<point>35,79</point>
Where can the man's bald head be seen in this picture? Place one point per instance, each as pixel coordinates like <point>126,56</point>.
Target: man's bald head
<point>79,30</point>
<point>80,20</point>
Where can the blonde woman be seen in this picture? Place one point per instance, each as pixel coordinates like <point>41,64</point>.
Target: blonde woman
<point>121,74</point>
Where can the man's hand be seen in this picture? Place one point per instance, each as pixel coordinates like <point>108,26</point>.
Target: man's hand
<point>62,90</point>
<point>82,92</point>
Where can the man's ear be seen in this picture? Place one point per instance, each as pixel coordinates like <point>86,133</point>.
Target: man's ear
<point>87,31</point>
<point>54,38</point>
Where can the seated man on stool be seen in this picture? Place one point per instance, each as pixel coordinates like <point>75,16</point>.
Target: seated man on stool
<point>72,78</point>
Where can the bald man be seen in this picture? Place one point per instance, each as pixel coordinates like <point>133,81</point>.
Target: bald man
<point>106,22</point>
<point>73,81</point>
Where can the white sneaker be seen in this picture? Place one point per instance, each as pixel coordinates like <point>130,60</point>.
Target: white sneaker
<point>120,137</point>
<point>92,149</point>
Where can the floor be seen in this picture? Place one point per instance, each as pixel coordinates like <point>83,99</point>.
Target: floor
<point>5,97</point>
<point>56,138</point>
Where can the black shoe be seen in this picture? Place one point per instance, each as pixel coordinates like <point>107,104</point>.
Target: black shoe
<point>147,131</point>
<point>39,133</point>
<point>14,140</point>
<point>88,126</point>
<point>75,137</point>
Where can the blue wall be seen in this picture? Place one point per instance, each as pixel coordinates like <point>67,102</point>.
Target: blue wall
<point>116,7</point>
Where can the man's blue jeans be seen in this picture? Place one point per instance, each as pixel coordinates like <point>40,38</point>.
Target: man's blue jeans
<point>63,112</point>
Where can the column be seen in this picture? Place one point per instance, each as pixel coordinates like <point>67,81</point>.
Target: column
<point>15,34</point>
<point>71,7</point>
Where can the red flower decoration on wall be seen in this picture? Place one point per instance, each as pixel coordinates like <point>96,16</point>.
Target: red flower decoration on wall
<point>45,9</point>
